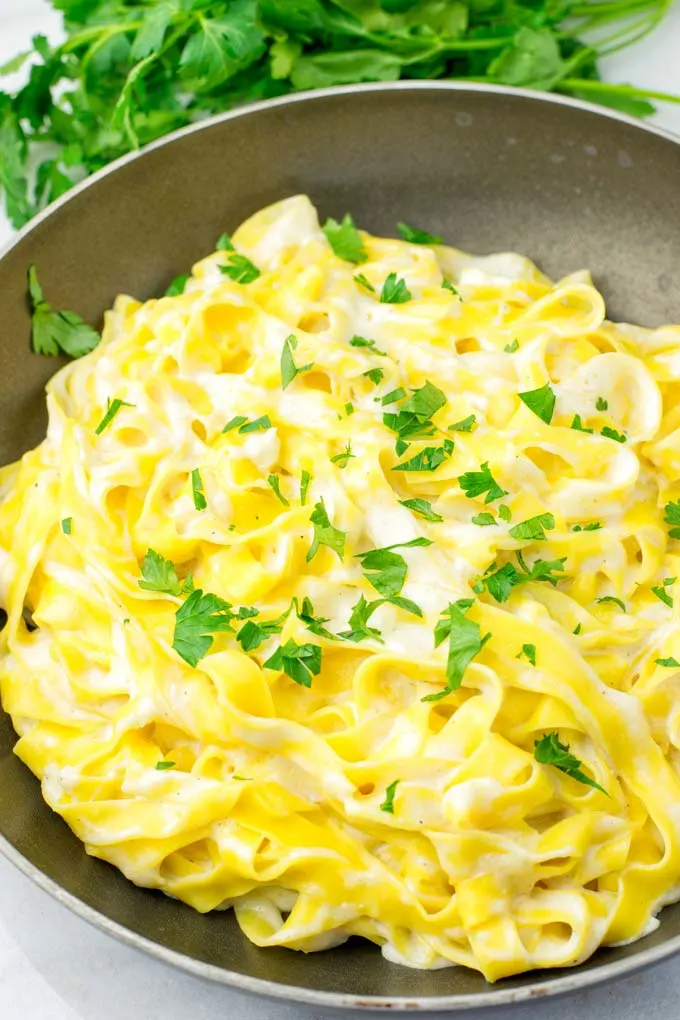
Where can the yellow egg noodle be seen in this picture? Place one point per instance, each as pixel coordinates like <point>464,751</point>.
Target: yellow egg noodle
<point>435,695</point>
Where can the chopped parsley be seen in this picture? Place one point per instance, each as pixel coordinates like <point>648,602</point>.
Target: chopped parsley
<point>534,528</point>
<point>349,409</point>
<point>224,243</point>
<point>345,240</point>
<point>197,492</point>
<point>159,574</point>
<point>464,425</point>
<point>325,533</point>
<point>577,629</point>
<point>67,525</point>
<point>549,750</point>
<point>671,663</point>
<point>343,459</point>
<point>112,409</point>
<point>196,620</point>
<point>499,581</point>
<point>288,367</point>
<point>275,482</point>
<point>447,285</point>
<point>613,599</point>
<point>529,652</point>
<point>240,269</point>
<point>394,291</point>
<point>465,642</point>
<point>414,236</point>
<point>393,396</point>
<point>661,593</point>
<point>601,404</point>
<point>505,513</point>
<point>577,424</point>
<point>413,420</point>
<point>54,333</point>
<point>376,375</point>
<point>476,483</point>
<point>305,479</point>
<point>512,347</point>
<point>314,624</point>
<point>422,508</point>
<point>388,804</point>
<point>593,526</point>
<point>299,662</point>
<point>254,633</point>
<point>358,621</point>
<point>163,766</point>
<point>427,459</point>
<point>610,433</point>
<point>540,401</point>
<point>672,516</point>
<point>234,422</point>
<point>361,341</point>
<point>363,282</point>
<point>483,520</point>
<point>177,285</point>
<point>243,425</point>
<point>386,571</point>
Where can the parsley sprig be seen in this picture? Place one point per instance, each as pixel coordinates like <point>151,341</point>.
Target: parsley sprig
<point>465,642</point>
<point>160,575</point>
<point>53,332</point>
<point>549,750</point>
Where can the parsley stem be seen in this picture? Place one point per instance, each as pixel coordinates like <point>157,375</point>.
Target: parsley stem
<point>588,85</point>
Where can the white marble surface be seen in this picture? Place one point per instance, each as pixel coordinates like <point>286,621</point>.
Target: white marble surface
<point>55,967</point>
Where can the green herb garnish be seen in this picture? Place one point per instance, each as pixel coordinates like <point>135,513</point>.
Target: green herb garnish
<point>275,483</point>
<point>414,236</point>
<point>240,269</point>
<point>672,516</point>
<point>376,375</point>
<point>422,508</point>
<point>305,479</point>
<point>613,599</point>
<point>197,492</point>
<point>388,803</point>
<point>534,528</point>
<point>549,750</point>
<point>511,347</point>
<point>299,662</point>
<point>325,533</point>
<point>177,285</point>
<point>67,525</point>
<point>610,433</point>
<point>540,401</point>
<point>671,663</point>
<point>578,425</point>
<point>601,404</point>
<point>464,425</point>
<point>427,459</point>
<point>363,282</point>
<point>52,332</point>
<point>394,291</point>
<point>358,621</point>
<point>465,642</point>
<point>476,483</point>
<point>160,575</point>
<point>288,367</point>
<point>345,240</point>
<point>360,341</point>
<point>343,459</point>
<point>196,620</point>
<point>529,652</point>
<point>112,409</point>
<point>163,766</point>
<point>483,520</point>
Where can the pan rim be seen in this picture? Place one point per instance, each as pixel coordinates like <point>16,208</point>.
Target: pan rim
<point>573,980</point>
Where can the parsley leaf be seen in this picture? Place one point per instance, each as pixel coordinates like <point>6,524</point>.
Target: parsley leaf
<point>427,459</point>
<point>540,401</point>
<point>476,483</point>
<point>388,803</point>
<point>447,285</point>
<point>465,642</point>
<point>661,593</point>
<point>672,516</point>
<point>112,409</point>
<point>349,409</point>
<point>325,533</point>
<point>425,401</point>
<point>275,482</point>
<point>360,341</point>
<point>614,600</point>
<point>601,404</point>
<point>314,624</point>
<point>579,426</point>
<point>386,571</point>
<point>224,243</point>
<point>512,347</point>
<point>529,652</point>
<point>483,520</point>
<point>610,433</point>
<point>345,240</point>
<point>376,375</point>
<point>394,291</point>
<point>305,479</point>
<point>257,425</point>
<point>504,513</point>
<point>163,766</point>
<point>363,282</point>
<point>197,492</point>
<point>534,528</point>
<point>549,750</point>
<point>422,508</point>
<point>196,620</point>
<point>56,333</point>
<point>393,396</point>
<point>240,269</point>
<point>177,285</point>
<point>671,663</point>
<point>67,525</point>
<point>343,459</point>
<point>254,633</point>
<point>464,425</point>
<point>234,422</point>
<point>499,581</point>
<point>159,574</point>
<point>288,367</point>
<point>299,662</point>
<point>414,236</point>
<point>358,621</point>
<point>593,526</point>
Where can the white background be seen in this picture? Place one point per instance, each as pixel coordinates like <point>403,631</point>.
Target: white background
<point>55,967</point>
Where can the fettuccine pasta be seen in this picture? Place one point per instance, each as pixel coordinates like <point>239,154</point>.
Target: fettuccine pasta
<point>342,592</point>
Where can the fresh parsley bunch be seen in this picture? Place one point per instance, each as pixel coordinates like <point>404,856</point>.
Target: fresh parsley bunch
<point>130,72</point>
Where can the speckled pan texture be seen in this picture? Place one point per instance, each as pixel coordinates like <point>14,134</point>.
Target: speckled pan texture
<point>561,182</point>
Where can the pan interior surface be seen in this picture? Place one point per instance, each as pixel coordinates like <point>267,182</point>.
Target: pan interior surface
<point>490,170</point>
